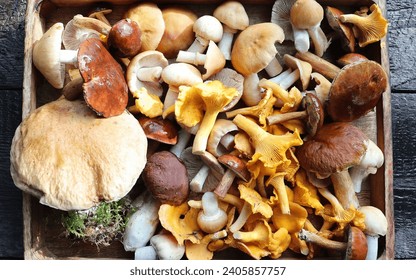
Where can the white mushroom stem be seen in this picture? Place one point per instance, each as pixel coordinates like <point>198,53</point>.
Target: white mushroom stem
<point>274,67</point>
<point>372,244</point>
<point>279,118</point>
<point>279,78</point>
<point>225,44</point>
<point>290,79</point>
<point>211,218</point>
<point>322,241</point>
<point>197,183</point>
<point>199,45</point>
<point>149,74</point>
<point>170,98</point>
<point>183,140</point>
<point>301,38</point>
<point>371,161</point>
<point>242,218</point>
<point>194,58</point>
<point>319,40</point>
<point>227,141</point>
<point>252,93</point>
<point>68,56</point>
<point>145,253</point>
<point>344,189</point>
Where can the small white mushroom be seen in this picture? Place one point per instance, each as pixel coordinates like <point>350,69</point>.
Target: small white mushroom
<point>211,218</point>
<point>375,226</point>
<point>167,247</point>
<point>207,28</point>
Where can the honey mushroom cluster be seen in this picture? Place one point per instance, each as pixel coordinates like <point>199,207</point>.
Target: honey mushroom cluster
<point>248,148</point>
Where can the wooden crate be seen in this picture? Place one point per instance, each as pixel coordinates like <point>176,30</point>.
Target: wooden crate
<point>43,237</point>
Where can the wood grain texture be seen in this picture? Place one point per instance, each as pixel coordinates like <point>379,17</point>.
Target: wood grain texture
<point>402,44</point>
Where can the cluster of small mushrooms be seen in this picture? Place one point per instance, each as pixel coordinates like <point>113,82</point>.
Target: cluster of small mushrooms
<point>248,148</point>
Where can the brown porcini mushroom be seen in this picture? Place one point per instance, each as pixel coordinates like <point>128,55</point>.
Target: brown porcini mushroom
<point>308,15</point>
<point>349,58</point>
<point>178,34</point>
<point>166,178</point>
<point>150,19</point>
<point>234,18</point>
<point>255,50</point>
<point>124,38</point>
<point>355,89</point>
<point>105,88</point>
<point>353,248</point>
<point>206,28</point>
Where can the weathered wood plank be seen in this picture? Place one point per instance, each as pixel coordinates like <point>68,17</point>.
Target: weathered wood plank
<point>404,147</point>
<point>402,44</point>
<point>11,226</point>
<point>12,15</point>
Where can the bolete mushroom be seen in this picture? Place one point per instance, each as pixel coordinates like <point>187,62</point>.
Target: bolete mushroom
<point>124,38</point>
<point>206,28</point>
<point>166,178</point>
<point>159,129</point>
<point>308,15</point>
<point>343,30</point>
<point>353,248</point>
<point>235,168</point>
<point>355,89</point>
<point>255,50</point>
<point>105,88</point>
<point>178,34</point>
<point>234,18</point>
<point>48,57</point>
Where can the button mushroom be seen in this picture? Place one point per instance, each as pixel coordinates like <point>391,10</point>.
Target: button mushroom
<point>375,226</point>
<point>234,18</point>
<point>254,50</point>
<point>206,28</point>
<point>144,80</point>
<point>105,88</point>
<point>48,57</point>
<point>166,178</point>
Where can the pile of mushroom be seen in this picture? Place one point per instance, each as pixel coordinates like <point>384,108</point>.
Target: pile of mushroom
<point>248,148</point>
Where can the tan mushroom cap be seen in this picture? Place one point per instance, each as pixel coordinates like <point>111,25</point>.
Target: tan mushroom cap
<point>356,90</point>
<point>334,148</point>
<point>232,14</point>
<point>178,74</point>
<point>254,47</point>
<point>178,34</point>
<point>71,159</point>
<point>105,88</point>
<point>305,14</point>
<point>305,68</point>
<point>215,61</point>
<point>46,55</point>
<point>150,19</point>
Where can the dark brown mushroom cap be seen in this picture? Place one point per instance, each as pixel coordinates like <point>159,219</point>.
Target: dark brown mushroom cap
<point>315,110</point>
<point>349,58</point>
<point>344,30</point>
<point>166,178</point>
<point>237,165</point>
<point>335,147</point>
<point>357,244</point>
<point>105,88</point>
<point>159,129</point>
<point>124,38</point>
<point>356,90</point>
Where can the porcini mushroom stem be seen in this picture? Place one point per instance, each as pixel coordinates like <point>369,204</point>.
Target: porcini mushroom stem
<point>149,74</point>
<point>322,241</point>
<point>344,189</point>
<point>68,56</point>
<point>279,118</point>
<point>319,64</point>
<point>225,183</point>
<point>194,58</point>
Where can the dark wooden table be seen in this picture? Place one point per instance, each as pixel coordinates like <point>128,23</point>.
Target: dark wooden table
<point>402,50</point>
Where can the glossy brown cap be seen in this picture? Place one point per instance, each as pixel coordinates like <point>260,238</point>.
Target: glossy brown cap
<point>344,31</point>
<point>236,164</point>
<point>335,147</point>
<point>159,129</point>
<point>356,90</point>
<point>357,244</point>
<point>124,39</point>
<point>105,88</point>
<point>349,58</point>
<point>315,110</point>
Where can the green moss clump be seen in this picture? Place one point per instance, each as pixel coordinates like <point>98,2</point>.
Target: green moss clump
<point>99,225</point>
